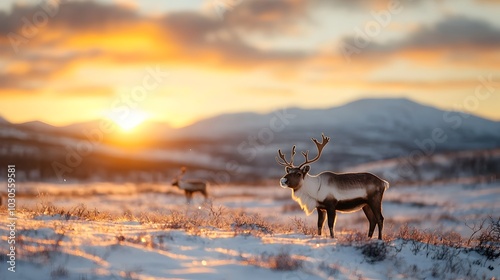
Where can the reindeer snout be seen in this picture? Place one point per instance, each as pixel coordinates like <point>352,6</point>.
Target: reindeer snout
<point>284,182</point>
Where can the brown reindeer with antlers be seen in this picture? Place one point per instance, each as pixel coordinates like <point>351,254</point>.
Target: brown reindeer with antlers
<point>329,192</point>
<point>190,186</point>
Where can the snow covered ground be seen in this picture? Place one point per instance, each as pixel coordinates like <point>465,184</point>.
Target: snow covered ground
<point>450,206</point>
<point>111,231</point>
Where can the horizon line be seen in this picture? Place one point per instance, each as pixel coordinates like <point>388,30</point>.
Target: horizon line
<point>153,120</point>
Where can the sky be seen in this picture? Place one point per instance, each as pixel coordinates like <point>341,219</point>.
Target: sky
<point>63,62</point>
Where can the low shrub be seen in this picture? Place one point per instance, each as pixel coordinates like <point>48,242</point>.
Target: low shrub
<point>374,251</point>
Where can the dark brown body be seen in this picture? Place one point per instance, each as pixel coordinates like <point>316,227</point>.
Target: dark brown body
<point>191,187</point>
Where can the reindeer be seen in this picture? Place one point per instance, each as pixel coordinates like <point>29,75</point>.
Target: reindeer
<point>190,186</point>
<point>329,192</point>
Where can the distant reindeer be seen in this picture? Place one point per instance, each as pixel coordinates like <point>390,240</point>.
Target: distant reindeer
<point>190,186</point>
<point>329,192</point>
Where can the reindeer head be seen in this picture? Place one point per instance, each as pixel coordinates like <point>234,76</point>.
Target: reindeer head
<point>295,174</point>
<point>176,180</point>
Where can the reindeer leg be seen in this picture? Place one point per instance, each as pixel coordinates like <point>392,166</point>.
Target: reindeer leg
<point>189,196</point>
<point>204,192</point>
<point>376,207</point>
<point>380,222</point>
<point>371,219</point>
<point>321,219</point>
<point>331,220</point>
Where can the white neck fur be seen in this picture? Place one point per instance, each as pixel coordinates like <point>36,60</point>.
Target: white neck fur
<point>306,196</point>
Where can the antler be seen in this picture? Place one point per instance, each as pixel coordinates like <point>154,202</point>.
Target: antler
<point>319,146</point>
<point>183,170</point>
<point>179,176</point>
<point>284,162</point>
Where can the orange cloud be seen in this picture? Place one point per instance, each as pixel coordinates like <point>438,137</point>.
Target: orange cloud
<point>101,91</point>
<point>88,33</point>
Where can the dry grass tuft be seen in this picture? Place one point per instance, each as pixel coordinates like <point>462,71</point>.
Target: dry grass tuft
<point>282,261</point>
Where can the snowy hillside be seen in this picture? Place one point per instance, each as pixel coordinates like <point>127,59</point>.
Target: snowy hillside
<point>466,166</point>
<point>385,115</point>
<point>243,145</point>
<point>2,120</point>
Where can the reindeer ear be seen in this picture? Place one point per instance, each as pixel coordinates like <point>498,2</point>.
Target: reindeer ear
<point>305,169</point>
<point>287,169</point>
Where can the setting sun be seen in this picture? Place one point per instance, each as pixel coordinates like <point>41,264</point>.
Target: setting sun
<point>130,121</point>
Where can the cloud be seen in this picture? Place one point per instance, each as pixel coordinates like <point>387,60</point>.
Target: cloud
<point>456,31</point>
<point>76,21</point>
<point>265,16</point>
<point>72,15</point>
<point>91,33</point>
<point>490,2</point>
<point>395,82</point>
<point>198,35</point>
<point>288,17</point>
<point>31,71</point>
<point>452,33</point>
<point>366,5</point>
